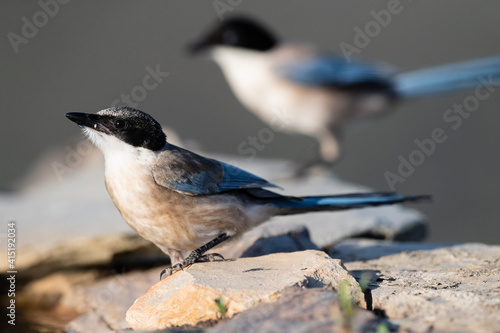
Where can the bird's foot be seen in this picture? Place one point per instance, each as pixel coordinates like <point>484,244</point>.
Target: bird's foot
<point>197,256</point>
<point>171,270</point>
<point>210,257</point>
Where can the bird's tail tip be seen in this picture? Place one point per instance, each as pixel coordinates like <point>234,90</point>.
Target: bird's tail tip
<point>419,197</point>
<point>346,201</point>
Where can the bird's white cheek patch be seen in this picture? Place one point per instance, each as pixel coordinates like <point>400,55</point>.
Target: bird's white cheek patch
<point>93,136</point>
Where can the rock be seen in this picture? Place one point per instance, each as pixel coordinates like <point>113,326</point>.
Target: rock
<point>107,301</point>
<point>255,244</point>
<point>81,254</point>
<point>368,249</point>
<point>188,297</point>
<point>91,322</point>
<point>451,288</point>
<point>301,310</point>
<point>58,284</point>
<point>84,298</point>
<point>55,290</point>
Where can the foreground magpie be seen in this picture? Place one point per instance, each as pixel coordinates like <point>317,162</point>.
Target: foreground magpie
<point>303,90</point>
<point>185,203</point>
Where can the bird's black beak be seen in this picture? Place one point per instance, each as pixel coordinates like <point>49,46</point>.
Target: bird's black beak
<point>83,119</point>
<point>199,46</point>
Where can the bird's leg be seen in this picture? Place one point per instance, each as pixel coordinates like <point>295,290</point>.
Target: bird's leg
<point>329,148</point>
<point>303,168</point>
<point>328,154</point>
<point>197,256</point>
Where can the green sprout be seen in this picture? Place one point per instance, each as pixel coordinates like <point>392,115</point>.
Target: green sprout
<point>221,307</point>
<point>364,281</point>
<point>347,306</point>
<point>382,328</point>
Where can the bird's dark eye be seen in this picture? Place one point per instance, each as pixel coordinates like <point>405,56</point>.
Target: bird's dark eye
<point>120,124</point>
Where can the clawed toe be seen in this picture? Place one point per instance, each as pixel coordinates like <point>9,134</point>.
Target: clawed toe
<point>210,257</point>
<point>170,270</point>
<point>166,272</point>
<point>180,266</point>
<point>197,256</point>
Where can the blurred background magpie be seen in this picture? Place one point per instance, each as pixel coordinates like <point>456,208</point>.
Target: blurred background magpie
<point>319,91</point>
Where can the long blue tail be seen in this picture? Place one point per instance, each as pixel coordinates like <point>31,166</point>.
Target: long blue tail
<point>341,202</point>
<point>447,78</point>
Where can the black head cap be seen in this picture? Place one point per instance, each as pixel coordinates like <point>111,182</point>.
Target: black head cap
<point>132,126</point>
<point>238,32</point>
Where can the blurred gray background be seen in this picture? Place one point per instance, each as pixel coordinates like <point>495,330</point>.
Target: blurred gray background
<point>90,52</point>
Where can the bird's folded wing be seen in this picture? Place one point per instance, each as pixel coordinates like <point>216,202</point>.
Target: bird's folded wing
<point>330,70</point>
<point>183,171</point>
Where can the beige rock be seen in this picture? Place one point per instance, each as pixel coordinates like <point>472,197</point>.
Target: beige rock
<point>107,300</point>
<point>55,290</point>
<point>188,297</point>
<point>451,288</point>
<point>84,253</point>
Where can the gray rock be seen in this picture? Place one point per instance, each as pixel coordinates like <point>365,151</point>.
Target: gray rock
<point>451,288</point>
<point>91,322</point>
<point>301,311</point>
<point>188,297</point>
<point>254,243</point>
<point>368,249</point>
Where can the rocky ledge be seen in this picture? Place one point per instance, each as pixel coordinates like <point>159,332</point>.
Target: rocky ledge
<point>309,273</point>
<point>425,287</point>
<point>206,292</point>
<point>405,287</point>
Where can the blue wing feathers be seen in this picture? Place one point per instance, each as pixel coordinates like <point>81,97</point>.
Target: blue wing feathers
<point>236,178</point>
<point>330,70</point>
<point>200,183</point>
<point>335,71</point>
<point>184,171</point>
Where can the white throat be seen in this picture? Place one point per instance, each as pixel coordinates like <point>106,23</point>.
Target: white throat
<point>248,72</point>
<point>118,153</point>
